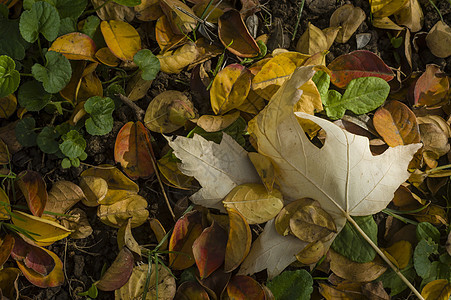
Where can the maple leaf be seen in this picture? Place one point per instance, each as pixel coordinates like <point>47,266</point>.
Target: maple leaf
<point>343,175</point>
<point>217,167</point>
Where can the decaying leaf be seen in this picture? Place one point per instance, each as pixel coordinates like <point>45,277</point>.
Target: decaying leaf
<point>6,245</point>
<point>106,57</point>
<point>213,123</point>
<point>148,10</point>
<point>431,88</point>
<point>313,40</point>
<point>191,290</point>
<point>411,16</point>
<point>174,61</point>
<point>94,188</point>
<point>264,168</point>
<point>385,8</point>
<point>349,19</point>
<point>62,196</point>
<point>77,222</point>
<point>9,281</point>
<point>125,238</point>
<point>244,287</point>
<point>133,206</point>
<point>181,23</point>
<point>8,105</point>
<point>238,242</point>
<point>164,35</point>
<point>439,289</point>
<point>113,11</point>
<point>118,273</point>
<point>438,38</point>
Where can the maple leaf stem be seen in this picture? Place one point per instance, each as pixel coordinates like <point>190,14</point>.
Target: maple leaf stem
<point>384,257</point>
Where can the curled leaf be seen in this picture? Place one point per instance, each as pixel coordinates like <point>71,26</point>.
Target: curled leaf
<point>174,61</point>
<point>349,19</point>
<point>114,215</point>
<point>118,273</point>
<point>62,196</point>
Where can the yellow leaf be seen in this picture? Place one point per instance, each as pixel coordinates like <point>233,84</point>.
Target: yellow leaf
<point>349,18</point>
<point>164,35</point>
<point>47,231</point>
<point>4,205</point>
<point>94,188</point>
<point>106,57</point>
<point>116,214</point>
<point>122,39</point>
<point>385,8</point>
<point>253,103</point>
<point>159,232</point>
<point>181,23</point>
<point>439,289</point>
<point>238,242</point>
<point>312,253</point>
<point>173,62</point>
<point>264,168</point>
<point>8,105</point>
<point>230,88</point>
<point>75,46</point>
<point>172,175</point>
<point>411,16</point>
<point>312,41</point>
<point>401,251</point>
<point>386,23</point>
<point>254,202</point>
<point>125,238</point>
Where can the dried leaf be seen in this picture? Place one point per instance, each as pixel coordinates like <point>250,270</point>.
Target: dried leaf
<point>6,246</point>
<point>410,16</point>
<point>4,205</point>
<point>265,169</point>
<point>134,207</point>
<point>137,87</point>
<point>385,8</point>
<point>173,62</point>
<point>238,242</point>
<point>401,251</point>
<point>234,35</point>
<point>244,287</point>
<point>94,188</point>
<point>148,10</point>
<point>125,238</point>
<point>209,249</point>
<point>164,35</point>
<point>78,223</point>
<point>168,112</point>
<point>397,124</point>
<point>106,57</point>
<point>312,253</point>
<point>113,11</point>
<point>62,196</point>
<point>122,39</point>
<point>133,150</point>
<point>230,88</point>
<point>75,46</point>
<point>159,232</point>
<point>8,105</point>
<point>33,187</point>
<point>213,123</point>
<point>172,175</point>
<point>438,38</point>
<point>312,41</point>
<point>431,89</point>
<point>349,19</point>
<point>181,23</point>
<point>9,281</point>
<point>191,290</point>
<point>386,23</point>
<point>439,289</point>
<point>118,273</point>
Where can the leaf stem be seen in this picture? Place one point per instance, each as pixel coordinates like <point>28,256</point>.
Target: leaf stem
<point>40,51</point>
<point>301,8</point>
<point>26,74</point>
<point>384,257</point>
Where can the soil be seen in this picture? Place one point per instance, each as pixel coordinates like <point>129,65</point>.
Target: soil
<point>84,259</point>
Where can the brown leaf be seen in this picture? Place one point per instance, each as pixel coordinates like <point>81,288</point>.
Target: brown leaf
<point>432,88</point>
<point>8,105</point>
<point>235,36</point>
<point>438,39</point>
<point>77,221</point>
<point>164,35</point>
<point>113,11</point>
<point>374,291</point>
<point>264,168</point>
<point>94,188</point>
<point>397,124</point>
<point>118,273</point>
<point>148,10</point>
<point>191,290</point>
<point>212,123</point>
<point>106,57</point>
<point>125,238</point>
<point>349,291</point>
<point>33,187</point>
<point>137,87</point>
<point>6,246</point>
<point>216,283</point>
<point>62,196</point>
<point>312,253</point>
<point>181,23</point>
<point>9,283</point>
<point>349,18</point>
<point>4,205</point>
<point>159,232</point>
<point>401,252</point>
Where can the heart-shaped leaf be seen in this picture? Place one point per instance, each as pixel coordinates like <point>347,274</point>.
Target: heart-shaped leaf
<point>56,73</point>
<point>41,18</point>
<point>296,285</point>
<point>9,76</point>
<point>100,110</point>
<point>33,96</point>
<point>147,63</point>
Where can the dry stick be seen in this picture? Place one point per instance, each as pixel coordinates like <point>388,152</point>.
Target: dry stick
<point>139,112</point>
<point>384,257</point>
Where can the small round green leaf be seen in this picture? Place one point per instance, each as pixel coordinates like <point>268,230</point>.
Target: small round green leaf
<point>46,140</point>
<point>73,144</point>
<point>293,285</point>
<point>9,76</point>
<point>24,131</point>
<point>32,96</point>
<point>100,109</point>
<point>148,63</point>
<point>56,73</point>
<point>42,18</point>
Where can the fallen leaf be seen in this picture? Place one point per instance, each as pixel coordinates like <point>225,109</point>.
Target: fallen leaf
<point>439,289</point>
<point>312,253</point>
<point>62,196</point>
<point>253,104</point>
<point>397,124</point>
<point>265,169</point>
<point>234,35</point>
<point>9,281</point>
<point>360,63</point>
<point>238,242</point>
<point>122,39</point>
<point>6,246</point>
<point>232,167</point>
<point>386,23</point>
<point>168,112</point>
<point>186,230</point>
<point>209,249</point>
<point>345,291</point>
<point>294,285</point>
<point>75,46</point>
<point>118,273</point>
<point>44,231</point>
<point>245,288</point>
<point>125,238</point>
<point>401,251</point>
<point>77,222</point>
<point>254,202</point>
<point>94,188</point>
<point>113,11</point>
<point>133,206</point>
<point>385,8</point>
<point>173,62</point>
<point>137,87</point>
<point>172,175</point>
<point>431,89</point>
<point>438,38</point>
<point>181,23</point>
<point>347,157</point>
<point>410,16</point>
<point>374,291</point>
<point>349,19</point>
<point>148,10</point>
<point>164,35</point>
<point>312,41</point>
<point>211,123</point>
<point>4,205</point>
<point>191,290</point>
<point>106,57</point>
<point>33,187</point>
<point>8,105</point>
<point>133,150</point>
<point>230,88</point>
<point>164,288</point>
<point>216,283</point>
<point>159,232</point>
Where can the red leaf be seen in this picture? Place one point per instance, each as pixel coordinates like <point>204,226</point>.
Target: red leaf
<point>133,150</point>
<point>186,231</point>
<point>360,63</point>
<point>118,273</point>
<point>209,249</point>
<point>34,189</point>
<point>33,257</point>
<point>431,88</point>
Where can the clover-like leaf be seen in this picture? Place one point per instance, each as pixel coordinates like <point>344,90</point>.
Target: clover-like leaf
<point>101,119</point>
<point>42,18</point>
<point>73,144</point>
<point>148,63</point>
<point>9,76</point>
<point>56,73</point>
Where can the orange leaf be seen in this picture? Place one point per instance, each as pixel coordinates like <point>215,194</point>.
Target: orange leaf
<point>6,246</point>
<point>432,88</point>
<point>133,150</point>
<point>107,58</point>
<point>191,290</point>
<point>235,36</point>
<point>76,46</point>
<point>33,188</point>
<point>244,287</point>
<point>397,124</point>
<point>122,39</point>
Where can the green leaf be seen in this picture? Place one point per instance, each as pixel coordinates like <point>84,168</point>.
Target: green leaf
<point>292,285</point>
<point>4,11</point>
<point>421,261</point>
<point>90,26</point>
<point>9,77</point>
<point>360,251</point>
<point>236,130</point>
<point>112,90</point>
<point>65,163</point>
<point>322,82</point>
<point>426,231</point>
<point>42,18</point>
<point>437,270</point>
<point>70,8</point>
<point>362,95</point>
<point>101,110</point>
<point>56,73</point>
<point>128,2</point>
<point>47,140</point>
<point>148,63</point>
<point>73,144</point>
<point>392,281</point>
<point>32,96</point>
<point>67,25</point>
<point>13,45</point>
<point>24,131</point>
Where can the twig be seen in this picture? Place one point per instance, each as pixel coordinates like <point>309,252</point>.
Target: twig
<point>139,112</point>
<point>301,8</point>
